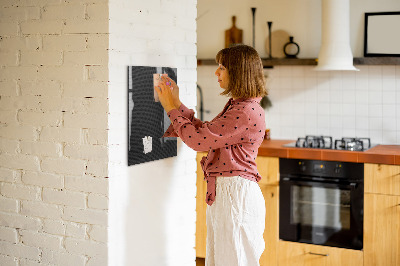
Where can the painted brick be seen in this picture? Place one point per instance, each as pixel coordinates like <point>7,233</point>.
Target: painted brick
<point>35,239</point>
<point>41,27</point>
<point>97,202</point>
<point>61,73</point>
<point>23,162</point>
<point>95,136</point>
<point>20,251</point>
<point>8,261</point>
<point>19,191</point>
<point>97,73</point>
<point>85,26</point>
<point>8,117</point>
<point>98,233</point>
<point>76,230</point>
<point>40,209</point>
<point>87,184</point>
<point>8,205</point>
<point>86,89</point>
<point>97,261</point>
<point>63,166</point>
<point>54,227</point>
<point>98,42</point>
<point>7,175</point>
<point>18,132</point>
<point>40,118</point>
<point>97,169</point>
<point>9,146</point>
<point>9,58</point>
<point>8,234</point>
<point>97,11</point>
<point>39,88</point>
<point>85,121</point>
<point>88,152</point>
<point>8,29</point>
<point>26,262</point>
<point>62,258</point>
<point>43,179</point>
<point>64,42</point>
<point>19,13</point>
<point>48,58</point>
<point>19,221</point>
<point>68,12</point>
<point>8,88</point>
<point>59,134</point>
<point>89,216</point>
<point>64,197</point>
<point>39,2</point>
<point>62,104</point>
<point>96,105</point>
<point>85,58</point>
<point>85,247</point>
<point>41,148</point>
<point>22,43</point>
<point>28,73</point>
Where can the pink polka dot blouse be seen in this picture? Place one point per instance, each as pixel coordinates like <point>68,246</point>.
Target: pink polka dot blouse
<point>232,139</point>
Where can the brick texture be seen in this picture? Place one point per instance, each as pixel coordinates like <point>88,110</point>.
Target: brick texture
<point>53,132</point>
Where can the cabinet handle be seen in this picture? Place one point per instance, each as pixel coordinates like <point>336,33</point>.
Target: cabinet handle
<point>318,254</point>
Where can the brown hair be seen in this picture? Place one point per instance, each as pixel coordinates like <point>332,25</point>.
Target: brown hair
<point>245,69</point>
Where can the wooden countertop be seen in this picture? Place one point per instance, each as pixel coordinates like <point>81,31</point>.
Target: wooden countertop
<point>380,154</point>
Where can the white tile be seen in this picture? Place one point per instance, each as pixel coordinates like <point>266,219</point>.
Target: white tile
<point>389,97</point>
<point>389,124</point>
<point>349,132</point>
<point>376,136</point>
<point>336,121</point>
<point>336,96</point>
<point>323,121</point>
<point>348,109</point>
<point>362,133</point>
<point>349,122</point>
<point>362,97</point>
<point>389,137</point>
<point>362,123</point>
<point>375,97</point>
<point>323,83</point>
<point>375,110</point>
<point>323,109</point>
<point>375,123</point>
<point>389,84</point>
<point>349,96</point>
<point>389,110</point>
<point>335,109</point>
<point>323,95</point>
<point>362,110</point>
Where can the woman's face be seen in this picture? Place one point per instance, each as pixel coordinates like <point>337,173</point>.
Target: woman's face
<point>223,76</point>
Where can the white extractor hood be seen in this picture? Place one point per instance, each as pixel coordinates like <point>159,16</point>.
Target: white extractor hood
<point>335,52</point>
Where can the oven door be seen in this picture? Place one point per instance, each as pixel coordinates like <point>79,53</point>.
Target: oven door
<point>321,212</point>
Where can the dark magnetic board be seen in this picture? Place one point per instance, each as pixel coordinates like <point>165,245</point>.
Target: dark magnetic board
<point>147,120</point>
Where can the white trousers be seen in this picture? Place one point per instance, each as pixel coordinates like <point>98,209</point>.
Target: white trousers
<point>235,223</point>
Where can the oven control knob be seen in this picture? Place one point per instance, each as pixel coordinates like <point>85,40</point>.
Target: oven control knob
<point>338,170</point>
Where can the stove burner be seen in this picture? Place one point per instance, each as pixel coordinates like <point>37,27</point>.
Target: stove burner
<point>353,144</point>
<point>324,142</point>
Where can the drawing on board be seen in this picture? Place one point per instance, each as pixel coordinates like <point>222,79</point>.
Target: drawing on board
<point>147,120</point>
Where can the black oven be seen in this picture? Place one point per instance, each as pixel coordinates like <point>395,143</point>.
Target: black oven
<point>321,202</point>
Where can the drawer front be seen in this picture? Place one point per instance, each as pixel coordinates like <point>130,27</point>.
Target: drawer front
<point>382,179</point>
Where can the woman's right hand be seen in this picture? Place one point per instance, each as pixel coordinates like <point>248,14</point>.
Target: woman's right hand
<point>175,91</point>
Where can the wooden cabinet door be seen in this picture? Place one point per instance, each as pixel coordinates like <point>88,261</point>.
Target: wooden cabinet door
<point>299,254</point>
<point>268,168</point>
<point>381,230</point>
<point>271,232</point>
<point>382,179</point>
<point>201,205</point>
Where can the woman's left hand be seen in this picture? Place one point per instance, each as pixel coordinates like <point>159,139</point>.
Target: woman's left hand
<point>165,96</point>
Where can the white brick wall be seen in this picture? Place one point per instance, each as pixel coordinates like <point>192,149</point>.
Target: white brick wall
<point>53,132</point>
<point>148,200</point>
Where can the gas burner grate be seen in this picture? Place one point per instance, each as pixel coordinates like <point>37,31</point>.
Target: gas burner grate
<point>322,142</point>
<point>353,144</point>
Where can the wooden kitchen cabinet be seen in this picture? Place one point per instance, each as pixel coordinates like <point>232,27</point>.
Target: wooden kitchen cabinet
<point>300,254</point>
<point>382,179</point>
<point>382,215</point>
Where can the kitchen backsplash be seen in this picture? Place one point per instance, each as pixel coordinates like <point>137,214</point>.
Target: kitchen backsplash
<point>365,103</point>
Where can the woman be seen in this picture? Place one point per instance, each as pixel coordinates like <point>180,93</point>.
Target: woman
<point>236,211</point>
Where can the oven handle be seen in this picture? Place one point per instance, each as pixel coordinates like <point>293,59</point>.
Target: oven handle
<point>310,182</point>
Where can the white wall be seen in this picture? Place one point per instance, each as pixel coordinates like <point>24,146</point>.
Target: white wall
<point>152,205</point>
<point>53,133</point>
<point>337,103</point>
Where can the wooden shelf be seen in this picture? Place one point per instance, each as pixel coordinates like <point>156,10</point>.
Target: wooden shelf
<point>269,63</point>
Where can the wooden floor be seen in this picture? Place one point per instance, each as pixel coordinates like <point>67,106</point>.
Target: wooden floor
<point>200,262</point>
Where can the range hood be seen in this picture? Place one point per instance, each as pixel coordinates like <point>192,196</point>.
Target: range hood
<point>335,52</point>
